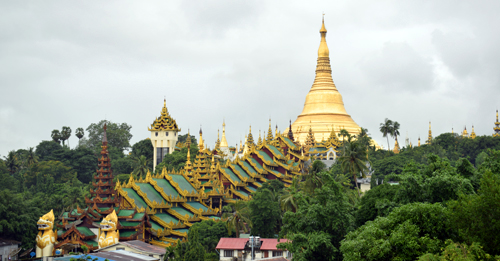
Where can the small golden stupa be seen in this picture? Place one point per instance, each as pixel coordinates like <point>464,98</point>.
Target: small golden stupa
<point>324,108</point>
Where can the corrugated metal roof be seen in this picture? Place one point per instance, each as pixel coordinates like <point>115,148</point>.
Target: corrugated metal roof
<point>270,243</point>
<point>232,243</point>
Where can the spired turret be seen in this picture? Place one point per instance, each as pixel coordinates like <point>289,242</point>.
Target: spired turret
<point>324,106</point>
<point>163,135</point>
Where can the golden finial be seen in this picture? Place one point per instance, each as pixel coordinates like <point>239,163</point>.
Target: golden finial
<point>323,47</point>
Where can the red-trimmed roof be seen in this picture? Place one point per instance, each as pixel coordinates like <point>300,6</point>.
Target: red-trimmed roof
<point>270,243</point>
<point>232,243</point>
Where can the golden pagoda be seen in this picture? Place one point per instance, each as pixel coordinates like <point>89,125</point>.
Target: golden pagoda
<point>465,134</point>
<point>324,106</point>
<point>472,134</point>
<point>429,138</point>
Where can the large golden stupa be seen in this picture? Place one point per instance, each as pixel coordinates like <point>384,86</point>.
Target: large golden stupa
<point>324,109</point>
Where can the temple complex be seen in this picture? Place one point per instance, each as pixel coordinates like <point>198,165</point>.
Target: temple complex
<point>324,106</point>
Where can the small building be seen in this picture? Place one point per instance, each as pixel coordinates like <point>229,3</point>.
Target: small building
<point>240,249</point>
<point>9,249</point>
<point>137,247</point>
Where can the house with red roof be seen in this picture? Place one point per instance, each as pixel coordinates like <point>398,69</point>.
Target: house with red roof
<point>240,249</point>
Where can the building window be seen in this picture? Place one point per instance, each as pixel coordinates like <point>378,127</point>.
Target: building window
<point>288,254</point>
<point>156,134</point>
<point>228,253</point>
<point>166,133</point>
<point>277,253</point>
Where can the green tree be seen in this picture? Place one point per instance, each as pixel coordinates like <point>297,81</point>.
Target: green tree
<point>79,134</point>
<point>265,213</point>
<point>18,218</point>
<point>56,136</point>
<point>395,129</point>
<point>118,135</point>
<point>32,158</point>
<point>460,252</point>
<point>195,251</point>
<point>324,218</point>
<point>210,233</point>
<point>140,165</point>
<point>407,233</point>
<point>46,150</point>
<point>145,148</point>
<point>238,218</point>
<point>12,162</point>
<point>476,216</point>
<point>376,202</point>
<point>386,129</point>
<point>65,134</point>
<point>354,160</point>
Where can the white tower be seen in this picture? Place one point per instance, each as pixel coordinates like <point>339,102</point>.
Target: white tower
<point>163,135</point>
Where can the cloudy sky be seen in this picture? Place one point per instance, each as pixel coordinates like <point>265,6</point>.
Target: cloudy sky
<point>73,63</point>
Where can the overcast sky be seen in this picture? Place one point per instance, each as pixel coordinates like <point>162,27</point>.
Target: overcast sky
<point>73,63</point>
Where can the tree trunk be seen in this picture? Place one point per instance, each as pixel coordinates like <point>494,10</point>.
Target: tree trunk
<point>388,147</point>
<point>357,186</point>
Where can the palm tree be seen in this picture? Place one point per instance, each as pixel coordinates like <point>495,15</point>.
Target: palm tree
<point>65,134</point>
<point>386,129</point>
<point>395,129</point>
<point>79,134</point>
<point>140,166</point>
<point>237,219</point>
<point>312,178</point>
<point>31,158</point>
<point>12,162</point>
<point>287,198</point>
<point>56,136</point>
<point>354,160</point>
<point>344,133</point>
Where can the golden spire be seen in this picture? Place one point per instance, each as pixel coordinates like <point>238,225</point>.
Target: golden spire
<point>269,137</point>
<point>429,138</point>
<point>472,134</point>
<point>496,128</point>
<point>189,166</point>
<point>277,132</point>
<point>419,141</point>
<point>250,142</point>
<point>217,142</point>
<point>323,47</point>
<point>201,145</point>
<point>323,105</point>
<point>259,142</point>
<point>223,142</point>
<point>188,140</point>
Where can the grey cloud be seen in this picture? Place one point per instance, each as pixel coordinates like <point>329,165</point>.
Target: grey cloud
<point>398,67</point>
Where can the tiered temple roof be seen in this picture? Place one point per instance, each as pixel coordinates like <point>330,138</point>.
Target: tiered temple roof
<point>165,122</point>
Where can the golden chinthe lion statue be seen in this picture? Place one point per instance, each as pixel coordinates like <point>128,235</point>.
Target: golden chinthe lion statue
<point>108,234</point>
<point>46,237</point>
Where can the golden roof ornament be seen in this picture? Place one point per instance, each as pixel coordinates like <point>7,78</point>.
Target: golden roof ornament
<point>201,145</point>
<point>164,122</point>
<point>472,134</point>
